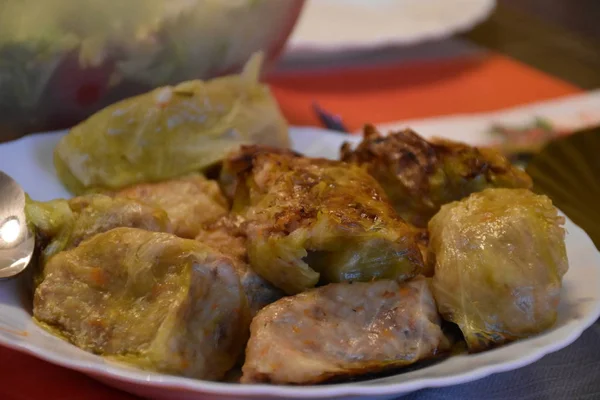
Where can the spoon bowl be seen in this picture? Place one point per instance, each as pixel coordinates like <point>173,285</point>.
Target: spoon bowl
<point>17,242</point>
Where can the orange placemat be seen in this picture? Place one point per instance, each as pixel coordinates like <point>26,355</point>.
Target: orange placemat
<point>374,94</point>
<point>468,84</point>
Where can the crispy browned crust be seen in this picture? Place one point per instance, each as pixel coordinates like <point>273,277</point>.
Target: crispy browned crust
<point>239,164</point>
<point>288,182</point>
<point>243,160</point>
<point>403,154</point>
<point>419,175</point>
<point>320,205</point>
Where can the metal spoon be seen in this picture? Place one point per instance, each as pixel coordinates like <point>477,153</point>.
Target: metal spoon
<point>16,241</point>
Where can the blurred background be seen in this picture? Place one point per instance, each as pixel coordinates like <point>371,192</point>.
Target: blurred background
<point>380,61</point>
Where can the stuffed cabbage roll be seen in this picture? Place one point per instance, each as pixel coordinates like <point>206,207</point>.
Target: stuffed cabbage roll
<point>316,220</point>
<point>419,176</point>
<point>169,132</point>
<point>499,261</point>
<point>63,224</point>
<point>343,330</point>
<point>190,202</point>
<point>150,299</point>
<point>228,235</point>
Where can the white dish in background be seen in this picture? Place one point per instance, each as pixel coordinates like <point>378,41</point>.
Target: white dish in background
<point>29,161</point>
<point>567,113</point>
<point>331,25</point>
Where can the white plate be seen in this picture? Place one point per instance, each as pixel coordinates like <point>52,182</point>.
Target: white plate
<point>343,24</point>
<point>29,161</point>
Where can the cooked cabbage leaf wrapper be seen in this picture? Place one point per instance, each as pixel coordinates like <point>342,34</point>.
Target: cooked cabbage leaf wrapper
<point>190,201</point>
<point>150,299</point>
<point>419,176</point>
<point>228,235</point>
<point>169,132</point>
<point>343,330</point>
<point>315,220</point>
<point>499,261</point>
<point>62,224</point>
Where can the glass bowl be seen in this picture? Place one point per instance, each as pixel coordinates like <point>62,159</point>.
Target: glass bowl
<point>62,60</point>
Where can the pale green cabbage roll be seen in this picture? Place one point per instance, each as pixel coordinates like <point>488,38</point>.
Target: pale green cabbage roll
<point>169,132</point>
<point>499,261</point>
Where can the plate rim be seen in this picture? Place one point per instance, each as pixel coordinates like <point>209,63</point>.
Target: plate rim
<point>297,43</point>
<point>126,375</point>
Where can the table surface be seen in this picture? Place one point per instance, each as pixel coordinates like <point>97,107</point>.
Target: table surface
<point>558,37</point>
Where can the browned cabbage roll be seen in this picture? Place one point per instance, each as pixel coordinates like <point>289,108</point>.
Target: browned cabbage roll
<point>316,220</point>
<point>419,176</point>
<point>499,261</point>
<point>342,330</point>
<point>150,299</point>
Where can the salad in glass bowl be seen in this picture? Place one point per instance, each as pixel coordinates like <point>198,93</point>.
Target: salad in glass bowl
<point>62,60</point>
